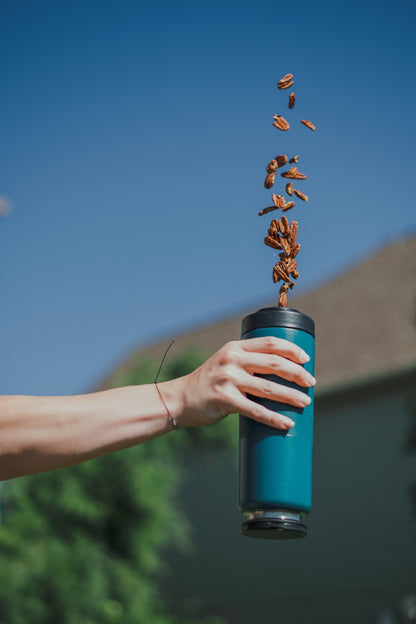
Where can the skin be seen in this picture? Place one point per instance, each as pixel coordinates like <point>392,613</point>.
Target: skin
<point>38,434</point>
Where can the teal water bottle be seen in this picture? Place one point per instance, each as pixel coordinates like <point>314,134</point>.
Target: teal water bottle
<point>275,467</point>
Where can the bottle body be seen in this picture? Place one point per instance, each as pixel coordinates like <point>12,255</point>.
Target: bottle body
<point>275,473</point>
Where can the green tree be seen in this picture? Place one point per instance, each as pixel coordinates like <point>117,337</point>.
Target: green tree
<point>84,545</point>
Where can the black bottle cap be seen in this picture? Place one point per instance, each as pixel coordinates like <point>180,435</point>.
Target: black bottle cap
<point>275,528</point>
<point>277,316</point>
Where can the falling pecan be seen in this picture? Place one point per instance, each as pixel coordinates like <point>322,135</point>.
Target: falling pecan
<point>293,232</point>
<point>271,242</point>
<point>282,300</point>
<point>285,224</point>
<point>266,210</point>
<point>280,122</point>
<point>273,231</point>
<point>291,266</point>
<point>294,174</point>
<point>289,188</point>
<point>281,273</point>
<point>292,100</point>
<point>308,124</point>
<point>294,252</point>
<point>272,166</point>
<point>288,206</point>
<point>278,225</point>
<point>278,200</point>
<point>281,160</point>
<point>294,159</point>
<point>269,181</point>
<point>285,82</point>
<point>286,246</point>
<point>300,195</point>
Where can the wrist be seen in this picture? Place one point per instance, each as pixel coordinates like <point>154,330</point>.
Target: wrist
<point>172,397</point>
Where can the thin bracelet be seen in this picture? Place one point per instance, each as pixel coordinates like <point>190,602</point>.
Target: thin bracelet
<point>171,418</point>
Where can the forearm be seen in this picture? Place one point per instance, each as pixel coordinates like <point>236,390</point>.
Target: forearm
<point>44,433</point>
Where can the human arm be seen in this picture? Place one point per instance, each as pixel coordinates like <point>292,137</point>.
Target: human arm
<point>44,433</point>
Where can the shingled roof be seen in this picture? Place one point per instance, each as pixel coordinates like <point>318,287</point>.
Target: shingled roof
<point>365,321</point>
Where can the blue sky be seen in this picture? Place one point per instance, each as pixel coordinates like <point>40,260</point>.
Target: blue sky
<point>134,140</point>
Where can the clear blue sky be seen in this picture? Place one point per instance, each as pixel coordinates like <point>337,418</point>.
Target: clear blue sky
<point>134,140</point>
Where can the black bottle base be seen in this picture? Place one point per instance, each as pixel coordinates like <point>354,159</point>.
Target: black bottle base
<point>279,529</point>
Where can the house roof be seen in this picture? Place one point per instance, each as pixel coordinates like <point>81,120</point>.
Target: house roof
<point>365,321</point>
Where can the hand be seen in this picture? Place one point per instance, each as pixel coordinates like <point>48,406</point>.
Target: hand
<point>219,386</point>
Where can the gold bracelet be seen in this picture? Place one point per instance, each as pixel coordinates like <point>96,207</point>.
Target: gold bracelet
<point>171,418</point>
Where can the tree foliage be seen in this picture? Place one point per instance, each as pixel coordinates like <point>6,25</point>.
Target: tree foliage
<point>84,545</point>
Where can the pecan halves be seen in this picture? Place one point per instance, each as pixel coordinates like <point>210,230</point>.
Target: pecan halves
<point>300,195</point>
<point>308,124</point>
<point>293,232</point>
<point>285,82</point>
<point>278,200</point>
<point>294,159</point>
<point>272,166</point>
<point>286,246</point>
<point>294,174</point>
<point>292,100</point>
<point>280,122</point>
<point>289,188</point>
<point>280,274</point>
<point>282,300</point>
<point>272,242</point>
<point>288,206</point>
<point>278,225</point>
<point>291,266</point>
<point>266,210</point>
<point>295,250</point>
<point>269,181</point>
<point>281,160</point>
<point>285,226</point>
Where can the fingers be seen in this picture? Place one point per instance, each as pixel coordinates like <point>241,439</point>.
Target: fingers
<point>270,364</point>
<point>261,414</point>
<point>274,391</point>
<point>278,346</point>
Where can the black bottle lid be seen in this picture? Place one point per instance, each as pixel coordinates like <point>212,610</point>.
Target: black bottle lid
<point>277,316</point>
<point>277,529</point>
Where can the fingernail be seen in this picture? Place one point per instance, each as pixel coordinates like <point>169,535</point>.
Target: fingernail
<point>289,422</point>
<point>305,399</point>
<point>304,357</point>
<point>310,380</point>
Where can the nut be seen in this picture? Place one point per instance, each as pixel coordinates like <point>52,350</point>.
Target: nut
<point>308,124</point>
<point>293,232</point>
<point>292,99</point>
<point>271,242</point>
<point>294,174</point>
<point>266,210</point>
<point>280,122</point>
<point>281,273</point>
<point>282,300</point>
<point>269,181</point>
<point>285,225</point>
<point>294,159</point>
<point>278,200</point>
<point>288,206</point>
<point>295,250</point>
<point>272,166</point>
<point>285,82</point>
<point>285,245</point>
<point>300,195</point>
<point>281,160</point>
<point>289,188</point>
